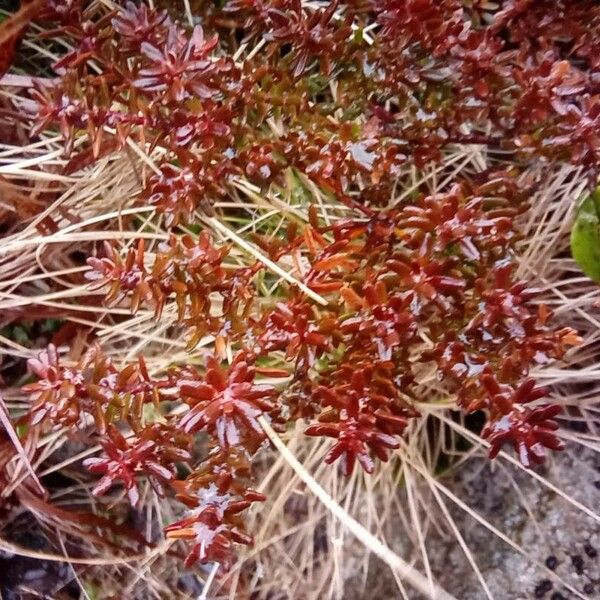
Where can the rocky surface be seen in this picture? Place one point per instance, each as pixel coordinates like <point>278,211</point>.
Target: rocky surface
<point>560,537</point>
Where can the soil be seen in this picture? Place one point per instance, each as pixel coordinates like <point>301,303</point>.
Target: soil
<point>23,578</point>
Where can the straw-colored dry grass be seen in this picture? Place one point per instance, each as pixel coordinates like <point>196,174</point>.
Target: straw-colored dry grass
<point>318,529</point>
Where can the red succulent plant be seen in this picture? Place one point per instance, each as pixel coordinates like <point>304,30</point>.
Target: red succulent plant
<point>152,452</point>
<point>213,524</point>
<point>227,403</point>
<point>340,104</point>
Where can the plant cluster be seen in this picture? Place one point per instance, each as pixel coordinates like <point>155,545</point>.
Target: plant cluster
<point>342,98</point>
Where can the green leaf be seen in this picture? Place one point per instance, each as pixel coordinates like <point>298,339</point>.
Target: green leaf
<point>585,236</point>
<point>317,83</point>
<point>51,325</point>
<point>91,591</point>
<point>150,414</point>
<point>22,430</point>
<point>300,195</point>
<point>20,335</point>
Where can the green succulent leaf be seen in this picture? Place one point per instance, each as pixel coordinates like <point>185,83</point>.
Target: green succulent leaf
<point>585,236</point>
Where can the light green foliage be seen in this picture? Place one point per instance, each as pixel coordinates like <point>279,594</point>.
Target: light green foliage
<point>585,236</point>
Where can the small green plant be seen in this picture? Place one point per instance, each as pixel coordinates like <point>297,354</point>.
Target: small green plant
<point>585,236</point>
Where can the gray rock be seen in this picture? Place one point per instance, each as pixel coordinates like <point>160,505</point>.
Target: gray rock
<point>552,531</point>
